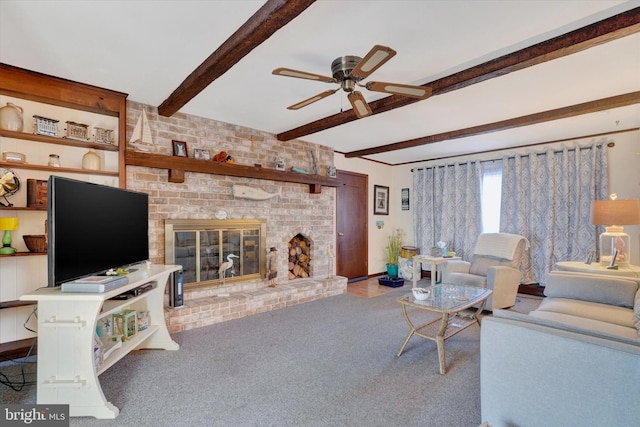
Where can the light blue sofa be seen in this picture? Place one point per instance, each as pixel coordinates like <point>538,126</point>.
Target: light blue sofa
<point>574,361</point>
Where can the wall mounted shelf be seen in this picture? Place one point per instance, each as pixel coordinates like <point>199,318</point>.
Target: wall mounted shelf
<point>56,140</point>
<point>177,165</point>
<point>14,165</point>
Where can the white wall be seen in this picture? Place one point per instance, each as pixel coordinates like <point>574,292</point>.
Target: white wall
<point>624,179</point>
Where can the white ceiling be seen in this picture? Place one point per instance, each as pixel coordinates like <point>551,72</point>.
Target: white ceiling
<point>147,48</point>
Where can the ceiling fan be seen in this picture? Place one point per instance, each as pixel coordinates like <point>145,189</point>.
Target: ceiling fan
<point>348,71</point>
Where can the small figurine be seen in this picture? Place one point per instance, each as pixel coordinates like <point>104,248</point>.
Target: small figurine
<point>272,267</point>
<point>222,271</point>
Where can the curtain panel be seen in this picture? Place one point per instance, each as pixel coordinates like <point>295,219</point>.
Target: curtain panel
<point>448,207</point>
<point>546,197</point>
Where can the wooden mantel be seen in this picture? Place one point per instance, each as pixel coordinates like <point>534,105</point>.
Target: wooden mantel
<point>178,165</point>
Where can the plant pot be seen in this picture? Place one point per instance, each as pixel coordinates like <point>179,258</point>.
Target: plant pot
<point>392,270</point>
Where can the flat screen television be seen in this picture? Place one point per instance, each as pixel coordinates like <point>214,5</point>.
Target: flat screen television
<point>93,228</point>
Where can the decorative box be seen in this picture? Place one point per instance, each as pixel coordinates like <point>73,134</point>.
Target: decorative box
<point>143,320</point>
<point>77,131</point>
<point>45,126</point>
<point>125,323</point>
<point>36,193</point>
<point>104,136</point>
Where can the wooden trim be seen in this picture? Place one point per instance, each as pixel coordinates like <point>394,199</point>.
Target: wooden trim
<point>607,30</point>
<point>47,89</point>
<point>16,303</point>
<point>531,119</point>
<point>17,349</point>
<point>178,165</point>
<point>272,16</point>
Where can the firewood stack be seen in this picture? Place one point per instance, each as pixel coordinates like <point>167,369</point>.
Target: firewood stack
<point>299,257</point>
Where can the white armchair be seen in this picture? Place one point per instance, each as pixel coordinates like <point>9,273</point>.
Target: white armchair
<point>494,264</point>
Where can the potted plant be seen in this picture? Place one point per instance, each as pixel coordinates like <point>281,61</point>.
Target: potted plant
<point>392,252</point>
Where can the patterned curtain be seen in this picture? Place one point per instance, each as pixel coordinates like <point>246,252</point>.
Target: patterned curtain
<point>546,197</point>
<point>448,207</point>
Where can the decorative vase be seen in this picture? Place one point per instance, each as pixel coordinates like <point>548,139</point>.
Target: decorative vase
<point>392,270</point>
<point>54,160</point>
<point>91,160</point>
<point>11,117</point>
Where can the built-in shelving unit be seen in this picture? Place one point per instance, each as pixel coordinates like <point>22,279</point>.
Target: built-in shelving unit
<point>177,165</point>
<point>65,101</point>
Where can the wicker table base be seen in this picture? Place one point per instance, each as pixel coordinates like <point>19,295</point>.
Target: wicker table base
<point>449,300</point>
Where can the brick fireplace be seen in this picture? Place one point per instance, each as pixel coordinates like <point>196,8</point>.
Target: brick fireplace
<point>205,196</point>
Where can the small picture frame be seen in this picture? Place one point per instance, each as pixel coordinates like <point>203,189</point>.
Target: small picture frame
<point>179,148</point>
<point>405,199</point>
<point>9,156</point>
<point>380,200</point>
<point>201,154</point>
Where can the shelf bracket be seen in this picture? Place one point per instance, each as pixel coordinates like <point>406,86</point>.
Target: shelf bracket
<point>176,176</point>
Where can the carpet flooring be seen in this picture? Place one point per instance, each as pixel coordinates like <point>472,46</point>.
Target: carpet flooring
<point>330,362</point>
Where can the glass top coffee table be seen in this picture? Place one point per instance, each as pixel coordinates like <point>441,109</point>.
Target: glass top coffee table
<point>449,300</point>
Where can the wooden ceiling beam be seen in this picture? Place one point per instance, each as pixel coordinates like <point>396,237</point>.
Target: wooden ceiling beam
<point>609,29</point>
<point>272,16</point>
<point>528,120</point>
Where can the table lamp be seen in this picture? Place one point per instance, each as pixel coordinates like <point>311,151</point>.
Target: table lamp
<point>7,224</point>
<point>614,242</point>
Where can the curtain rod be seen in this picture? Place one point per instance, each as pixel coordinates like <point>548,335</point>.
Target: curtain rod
<point>610,144</point>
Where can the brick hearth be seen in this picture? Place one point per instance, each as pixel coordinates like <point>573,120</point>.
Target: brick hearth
<point>206,307</point>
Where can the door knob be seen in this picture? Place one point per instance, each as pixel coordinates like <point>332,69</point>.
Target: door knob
<point>340,234</point>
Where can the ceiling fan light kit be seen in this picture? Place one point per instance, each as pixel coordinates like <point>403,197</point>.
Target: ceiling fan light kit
<point>348,71</point>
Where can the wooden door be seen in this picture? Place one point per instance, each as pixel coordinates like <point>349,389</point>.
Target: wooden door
<point>352,241</point>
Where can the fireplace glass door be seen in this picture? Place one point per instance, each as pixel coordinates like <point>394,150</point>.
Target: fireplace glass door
<point>203,247</point>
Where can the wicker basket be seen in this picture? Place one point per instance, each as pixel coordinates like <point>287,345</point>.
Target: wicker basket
<point>36,243</point>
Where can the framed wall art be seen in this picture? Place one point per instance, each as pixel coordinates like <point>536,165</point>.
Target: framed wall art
<point>202,154</point>
<point>179,148</point>
<point>405,199</point>
<point>380,200</point>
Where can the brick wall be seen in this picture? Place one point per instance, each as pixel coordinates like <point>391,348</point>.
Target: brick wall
<point>201,195</point>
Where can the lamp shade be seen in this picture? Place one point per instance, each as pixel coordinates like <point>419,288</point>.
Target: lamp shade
<point>8,223</point>
<point>615,212</point>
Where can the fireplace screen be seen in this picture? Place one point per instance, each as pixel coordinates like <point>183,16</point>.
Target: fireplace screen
<point>202,246</point>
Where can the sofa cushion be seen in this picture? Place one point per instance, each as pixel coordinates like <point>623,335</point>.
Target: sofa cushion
<point>576,325</point>
<point>592,287</point>
<point>588,324</point>
<point>589,310</point>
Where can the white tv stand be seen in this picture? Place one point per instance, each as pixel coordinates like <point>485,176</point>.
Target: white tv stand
<point>66,328</point>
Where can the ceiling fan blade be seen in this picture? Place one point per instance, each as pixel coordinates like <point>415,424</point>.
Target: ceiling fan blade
<point>421,92</point>
<point>311,100</point>
<point>360,106</point>
<point>373,60</point>
<point>288,72</point>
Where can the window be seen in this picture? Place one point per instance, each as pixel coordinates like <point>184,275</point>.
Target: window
<point>491,196</point>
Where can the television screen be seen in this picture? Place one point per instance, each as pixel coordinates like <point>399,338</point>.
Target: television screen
<point>93,228</point>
